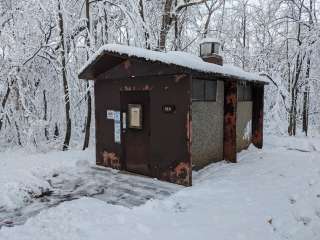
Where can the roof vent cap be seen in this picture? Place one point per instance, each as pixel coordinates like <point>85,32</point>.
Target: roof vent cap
<point>210,50</point>
<point>209,46</point>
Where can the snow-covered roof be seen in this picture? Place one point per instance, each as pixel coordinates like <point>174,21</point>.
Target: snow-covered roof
<point>209,39</point>
<point>177,58</point>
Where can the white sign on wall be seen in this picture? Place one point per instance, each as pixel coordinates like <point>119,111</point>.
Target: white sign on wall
<point>110,114</point>
<point>117,132</point>
<point>117,116</point>
<point>117,127</point>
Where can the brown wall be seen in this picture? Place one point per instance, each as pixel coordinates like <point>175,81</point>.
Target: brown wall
<point>207,130</point>
<point>169,139</point>
<point>107,96</point>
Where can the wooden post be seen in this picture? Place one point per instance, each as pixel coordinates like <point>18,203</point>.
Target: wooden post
<point>257,115</point>
<point>230,121</point>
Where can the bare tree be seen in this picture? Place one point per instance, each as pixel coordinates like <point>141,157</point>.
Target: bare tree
<point>88,94</point>
<point>63,54</point>
<point>169,14</point>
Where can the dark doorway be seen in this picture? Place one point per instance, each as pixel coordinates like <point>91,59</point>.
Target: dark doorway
<point>135,108</point>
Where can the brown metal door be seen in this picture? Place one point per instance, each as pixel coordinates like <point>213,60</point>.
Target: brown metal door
<point>135,107</point>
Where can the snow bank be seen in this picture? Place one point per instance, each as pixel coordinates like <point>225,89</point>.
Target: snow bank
<point>272,193</point>
<point>24,175</point>
<point>177,58</point>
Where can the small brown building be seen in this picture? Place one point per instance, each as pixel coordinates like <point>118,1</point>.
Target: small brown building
<point>163,114</point>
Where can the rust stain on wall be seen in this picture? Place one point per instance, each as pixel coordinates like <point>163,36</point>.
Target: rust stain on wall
<point>257,116</point>
<point>230,122</point>
<point>181,174</point>
<point>257,135</point>
<point>111,160</point>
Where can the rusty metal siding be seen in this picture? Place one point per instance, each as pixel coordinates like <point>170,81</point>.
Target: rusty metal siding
<point>230,121</point>
<point>107,96</point>
<point>257,115</point>
<point>170,135</point>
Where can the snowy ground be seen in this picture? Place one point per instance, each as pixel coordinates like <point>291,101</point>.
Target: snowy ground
<point>37,182</point>
<point>272,193</point>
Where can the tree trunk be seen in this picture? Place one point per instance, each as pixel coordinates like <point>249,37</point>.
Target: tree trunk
<point>56,132</point>
<point>306,96</point>
<point>146,34</point>
<point>165,24</point>
<point>244,36</point>
<point>18,133</point>
<point>168,17</point>
<point>290,127</point>
<point>67,138</point>
<point>88,119</point>
<point>294,84</point>
<point>295,113</point>
<point>305,114</point>
<point>221,28</point>
<point>206,25</point>
<point>3,105</point>
<point>88,97</point>
<point>293,108</point>
<point>306,93</point>
<point>45,117</point>
<point>106,35</point>
<point>177,30</point>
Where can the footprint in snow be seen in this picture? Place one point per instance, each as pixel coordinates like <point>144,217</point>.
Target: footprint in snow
<point>305,220</point>
<point>179,208</point>
<point>311,183</point>
<point>292,200</point>
<point>270,221</point>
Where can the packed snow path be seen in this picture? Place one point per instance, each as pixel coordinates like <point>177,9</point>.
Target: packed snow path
<point>101,183</point>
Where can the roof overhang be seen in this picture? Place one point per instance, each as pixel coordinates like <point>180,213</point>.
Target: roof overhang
<point>102,63</point>
<point>107,58</point>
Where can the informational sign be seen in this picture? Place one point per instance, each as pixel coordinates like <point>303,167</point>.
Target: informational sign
<point>117,132</point>
<point>168,108</point>
<point>117,127</point>
<point>135,116</point>
<point>117,116</point>
<point>110,114</point>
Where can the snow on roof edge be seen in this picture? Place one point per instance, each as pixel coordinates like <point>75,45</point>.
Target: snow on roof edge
<point>209,39</point>
<point>182,59</point>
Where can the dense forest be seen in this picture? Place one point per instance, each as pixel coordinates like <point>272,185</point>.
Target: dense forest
<point>43,44</point>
